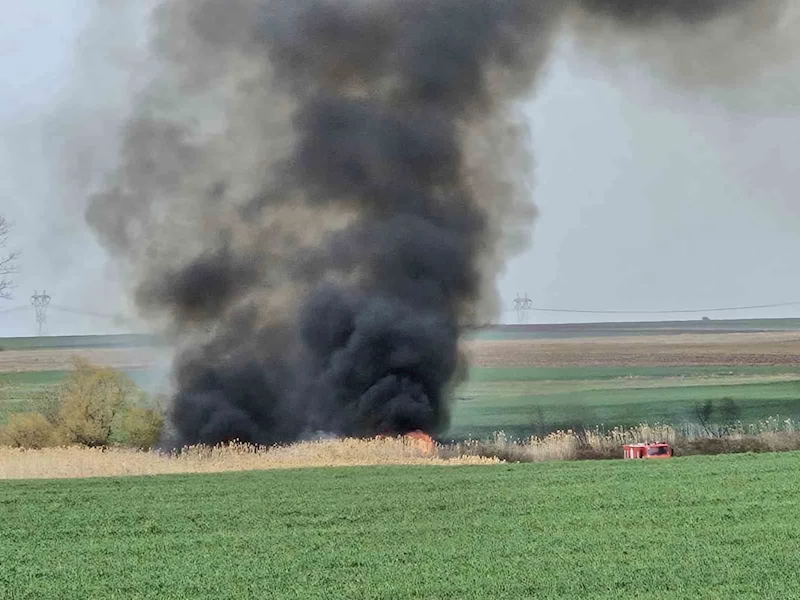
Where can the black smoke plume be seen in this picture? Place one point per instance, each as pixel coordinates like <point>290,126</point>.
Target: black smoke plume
<point>315,195</point>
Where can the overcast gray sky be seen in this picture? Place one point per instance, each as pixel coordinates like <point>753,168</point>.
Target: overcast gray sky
<point>650,198</point>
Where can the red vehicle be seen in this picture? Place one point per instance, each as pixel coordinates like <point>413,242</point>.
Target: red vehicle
<point>657,450</point>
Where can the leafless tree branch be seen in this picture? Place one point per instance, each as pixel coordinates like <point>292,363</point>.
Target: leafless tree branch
<point>8,260</point>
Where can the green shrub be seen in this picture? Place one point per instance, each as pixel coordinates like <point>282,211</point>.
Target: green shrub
<point>29,430</point>
<point>93,406</point>
<point>47,403</point>
<point>142,427</point>
<point>91,400</point>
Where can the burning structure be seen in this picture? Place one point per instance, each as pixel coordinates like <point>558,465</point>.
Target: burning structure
<point>314,196</point>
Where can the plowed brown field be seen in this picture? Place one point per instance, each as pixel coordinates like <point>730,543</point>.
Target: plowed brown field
<point>60,359</point>
<point>729,349</point>
<point>718,349</point>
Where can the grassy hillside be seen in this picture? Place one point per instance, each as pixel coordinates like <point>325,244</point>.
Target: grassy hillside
<point>710,527</point>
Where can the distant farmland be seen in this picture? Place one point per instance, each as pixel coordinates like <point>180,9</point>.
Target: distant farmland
<point>525,401</point>
<point>700,527</point>
<point>531,379</point>
<point>630,374</point>
<point>583,330</point>
<point>80,341</point>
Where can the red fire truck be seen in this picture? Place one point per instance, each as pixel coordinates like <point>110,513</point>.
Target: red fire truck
<point>656,450</point>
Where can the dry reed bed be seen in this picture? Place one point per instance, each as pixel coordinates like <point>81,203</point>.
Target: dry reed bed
<point>76,461</point>
<point>772,435</point>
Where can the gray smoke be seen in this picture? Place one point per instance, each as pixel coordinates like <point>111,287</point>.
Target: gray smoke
<point>639,13</point>
<point>709,46</point>
<point>316,195</point>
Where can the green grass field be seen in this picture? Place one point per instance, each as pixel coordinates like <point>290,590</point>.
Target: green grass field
<point>700,527</point>
<point>18,391</point>
<point>522,401</point>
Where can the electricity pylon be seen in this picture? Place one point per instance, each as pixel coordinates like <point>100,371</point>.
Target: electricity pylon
<point>40,303</point>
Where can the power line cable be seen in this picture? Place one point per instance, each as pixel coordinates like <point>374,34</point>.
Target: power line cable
<point>658,312</point>
<point>531,308</point>
<point>77,311</point>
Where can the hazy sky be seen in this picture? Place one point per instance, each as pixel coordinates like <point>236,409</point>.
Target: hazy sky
<point>650,197</point>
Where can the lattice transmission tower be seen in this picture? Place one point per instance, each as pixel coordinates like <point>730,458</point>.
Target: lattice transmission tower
<point>522,306</point>
<point>40,303</point>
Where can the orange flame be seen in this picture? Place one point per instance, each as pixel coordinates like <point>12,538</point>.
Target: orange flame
<point>418,439</point>
<point>421,440</point>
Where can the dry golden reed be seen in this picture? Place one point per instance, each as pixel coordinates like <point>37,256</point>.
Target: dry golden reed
<point>772,435</point>
<point>563,445</point>
<point>77,461</point>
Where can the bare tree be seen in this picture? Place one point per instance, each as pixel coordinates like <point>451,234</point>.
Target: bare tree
<point>704,413</point>
<point>8,260</point>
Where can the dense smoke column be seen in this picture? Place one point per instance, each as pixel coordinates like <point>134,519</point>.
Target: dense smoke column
<point>380,132</point>
<point>316,234</point>
<point>382,97</point>
<point>380,124</point>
